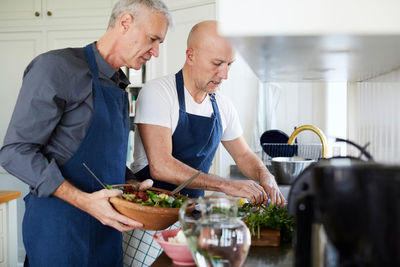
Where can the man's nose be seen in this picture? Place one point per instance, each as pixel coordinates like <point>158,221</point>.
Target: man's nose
<point>154,50</point>
<point>223,71</point>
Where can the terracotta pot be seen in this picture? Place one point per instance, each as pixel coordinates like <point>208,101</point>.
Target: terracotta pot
<point>268,238</point>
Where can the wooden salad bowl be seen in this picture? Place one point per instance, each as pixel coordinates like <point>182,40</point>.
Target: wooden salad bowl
<point>152,218</point>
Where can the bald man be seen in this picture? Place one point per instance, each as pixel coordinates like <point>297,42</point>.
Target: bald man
<point>182,118</point>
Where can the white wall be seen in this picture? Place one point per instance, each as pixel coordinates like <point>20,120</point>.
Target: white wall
<point>297,104</point>
<point>374,116</point>
<point>241,87</point>
<point>323,105</point>
<point>319,104</point>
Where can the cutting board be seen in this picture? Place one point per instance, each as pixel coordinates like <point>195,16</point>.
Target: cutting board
<point>268,238</point>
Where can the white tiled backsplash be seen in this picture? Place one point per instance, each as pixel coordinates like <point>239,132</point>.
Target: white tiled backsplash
<point>375,116</point>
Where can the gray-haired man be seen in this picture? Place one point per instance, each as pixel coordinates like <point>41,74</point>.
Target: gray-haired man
<point>73,109</point>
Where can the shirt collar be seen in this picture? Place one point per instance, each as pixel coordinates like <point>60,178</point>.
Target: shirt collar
<point>107,71</point>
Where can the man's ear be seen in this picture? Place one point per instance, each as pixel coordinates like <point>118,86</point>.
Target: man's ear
<point>125,21</point>
<point>189,56</point>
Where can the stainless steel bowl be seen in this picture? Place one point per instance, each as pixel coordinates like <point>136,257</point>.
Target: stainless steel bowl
<point>287,169</point>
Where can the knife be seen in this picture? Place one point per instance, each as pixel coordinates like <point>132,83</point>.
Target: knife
<point>185,183</point>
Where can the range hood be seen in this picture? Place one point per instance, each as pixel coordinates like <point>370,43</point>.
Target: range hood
<point>314,40</point>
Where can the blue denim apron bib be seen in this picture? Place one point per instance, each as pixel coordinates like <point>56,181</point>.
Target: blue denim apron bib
<point>194,142</point>
<point>56,233</point>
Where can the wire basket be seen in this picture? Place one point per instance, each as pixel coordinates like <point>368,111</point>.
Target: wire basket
<point>272,150</point>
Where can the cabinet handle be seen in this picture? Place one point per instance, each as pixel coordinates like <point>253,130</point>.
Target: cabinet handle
<point>37,14</point>
<point>49,13</point>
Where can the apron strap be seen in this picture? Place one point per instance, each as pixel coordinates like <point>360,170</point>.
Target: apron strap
<point>92,64</point>
<point>180,90</point>
<point>181,94</point>
<point>214,103</point>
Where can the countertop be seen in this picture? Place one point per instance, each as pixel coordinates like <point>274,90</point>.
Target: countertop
<point>282,256</point>
<point>6,196</point>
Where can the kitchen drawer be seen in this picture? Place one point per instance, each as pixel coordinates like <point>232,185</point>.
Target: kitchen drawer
<point>2,247</point>
<point>2,218</point>
<point>8,228</point>
<point>2,233</point>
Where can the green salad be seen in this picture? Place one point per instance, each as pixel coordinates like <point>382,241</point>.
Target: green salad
<point>152,197</point>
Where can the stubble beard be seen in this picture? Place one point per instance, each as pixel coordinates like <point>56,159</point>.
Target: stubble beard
<point>210,91</point>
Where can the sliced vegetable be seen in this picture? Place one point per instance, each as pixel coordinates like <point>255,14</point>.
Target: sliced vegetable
<point>142,195</point>
<point>153,198</point>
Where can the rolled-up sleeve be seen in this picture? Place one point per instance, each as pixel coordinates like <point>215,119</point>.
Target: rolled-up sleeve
<point>37,112</point>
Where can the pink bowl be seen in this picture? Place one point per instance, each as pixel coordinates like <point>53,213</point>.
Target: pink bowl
<point>178,253</point>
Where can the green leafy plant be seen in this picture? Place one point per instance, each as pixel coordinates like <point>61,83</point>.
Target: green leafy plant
<point>272,217</point>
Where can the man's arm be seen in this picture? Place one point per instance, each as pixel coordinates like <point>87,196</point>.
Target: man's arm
<point>97,205</point>
<point>251,166</point>
<point>157,142</point>
<point>130,178</point>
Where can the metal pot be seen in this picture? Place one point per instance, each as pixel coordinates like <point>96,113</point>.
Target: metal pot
<point>287,169</point>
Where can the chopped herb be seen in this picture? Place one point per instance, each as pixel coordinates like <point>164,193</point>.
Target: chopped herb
<point>272,217</point>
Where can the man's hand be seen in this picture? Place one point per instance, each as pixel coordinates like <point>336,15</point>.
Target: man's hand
<point>271,188</point>
<point>146,184</point>
<point>247,189</point>
<point>251,166</point>
<point>97,205</point>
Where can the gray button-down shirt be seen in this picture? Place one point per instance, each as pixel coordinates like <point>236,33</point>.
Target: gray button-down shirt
<point>51,116</point>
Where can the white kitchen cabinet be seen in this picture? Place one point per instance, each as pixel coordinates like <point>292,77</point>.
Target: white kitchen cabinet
<point>23,36</point>
<point>77,8</point>
<point>57,39</point>
<point>8,228</point>
<point>53,9</point>
<point>3,235</point>
<point>314,40</point>
<point>17,49</point>
<point>20,9</point>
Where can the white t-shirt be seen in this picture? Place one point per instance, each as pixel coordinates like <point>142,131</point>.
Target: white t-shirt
<point>158,104</point>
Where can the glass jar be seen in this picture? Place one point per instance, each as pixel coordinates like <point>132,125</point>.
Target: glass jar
<point>215,235</point>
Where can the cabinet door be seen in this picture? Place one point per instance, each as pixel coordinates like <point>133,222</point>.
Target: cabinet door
<point>3,236</point>
<point>172,52</point>
<point>20,9</point>
<point>72,38</point>
<point>77,8</point>
<point>16,51</point>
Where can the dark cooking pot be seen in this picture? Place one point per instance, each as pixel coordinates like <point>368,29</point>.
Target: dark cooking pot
<point>357,203</point>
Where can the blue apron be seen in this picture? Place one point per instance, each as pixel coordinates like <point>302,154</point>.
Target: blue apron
<point>194,142</point>
<point>56,233</point>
